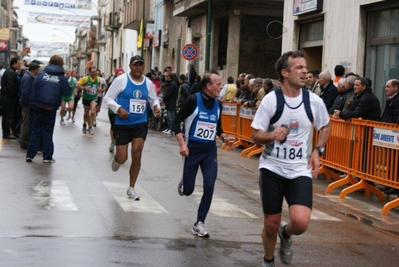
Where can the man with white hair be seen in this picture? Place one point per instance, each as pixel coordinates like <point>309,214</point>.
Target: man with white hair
<point>328,90</point>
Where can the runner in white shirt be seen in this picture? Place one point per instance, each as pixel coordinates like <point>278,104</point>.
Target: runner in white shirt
<point>288,163</point>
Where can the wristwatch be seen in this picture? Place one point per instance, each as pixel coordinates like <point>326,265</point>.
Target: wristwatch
<point>321,149</point>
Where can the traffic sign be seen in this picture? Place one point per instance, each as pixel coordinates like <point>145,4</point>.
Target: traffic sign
<point>190,52</point>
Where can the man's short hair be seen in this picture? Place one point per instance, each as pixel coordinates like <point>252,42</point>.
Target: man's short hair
<point>339,70</point>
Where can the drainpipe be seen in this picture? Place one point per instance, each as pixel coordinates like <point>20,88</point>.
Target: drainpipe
<point>208,36</point>
<point>142,39</point>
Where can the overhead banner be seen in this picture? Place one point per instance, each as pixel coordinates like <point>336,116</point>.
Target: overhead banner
<point>45,49</point>
<point>72,4</point>
<point>65,20</point>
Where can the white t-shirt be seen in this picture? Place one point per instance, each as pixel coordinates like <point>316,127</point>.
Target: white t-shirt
<point>290,159</point>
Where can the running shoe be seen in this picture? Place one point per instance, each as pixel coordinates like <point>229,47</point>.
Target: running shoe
<point>112,147</point>
<point>268,264</point>
<point>62,122</point>
<point>285,251</point>
<point>132,193</point>
<point>28,159</point>
<point>180,188</point>
<point>166,131</point>
<point>84,129</point>
<point>200,230</point>
<point>95,123</point>
<point>91,131</point>
<point>73,119</point>
<point>68,118</point>
<point>114,165</point>
<point>49,161</point>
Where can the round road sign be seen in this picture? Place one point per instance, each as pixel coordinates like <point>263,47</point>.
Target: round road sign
<point>190,52</point>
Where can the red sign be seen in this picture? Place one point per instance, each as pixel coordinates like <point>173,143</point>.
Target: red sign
<point>3,45</point>
<point>190,52</point>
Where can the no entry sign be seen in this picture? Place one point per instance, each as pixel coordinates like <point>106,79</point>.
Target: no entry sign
<point>190,52</point>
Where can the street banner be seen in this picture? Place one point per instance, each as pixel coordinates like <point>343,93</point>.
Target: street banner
<point>47,49</point>
<point>67,4</point>
<point>64,20</point>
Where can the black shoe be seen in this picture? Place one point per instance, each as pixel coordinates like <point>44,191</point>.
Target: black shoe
<point>392,191</point>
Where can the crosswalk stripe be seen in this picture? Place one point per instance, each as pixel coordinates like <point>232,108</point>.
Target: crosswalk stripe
<point>222,207</point>
<point>54,194</point>
<point>146,205</point>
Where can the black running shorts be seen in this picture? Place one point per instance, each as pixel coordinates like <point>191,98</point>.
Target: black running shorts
<point>273,188</point>
<point>124,134</point>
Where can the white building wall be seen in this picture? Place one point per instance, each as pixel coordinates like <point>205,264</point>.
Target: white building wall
<point>344,32</point>
<point>130,47</point>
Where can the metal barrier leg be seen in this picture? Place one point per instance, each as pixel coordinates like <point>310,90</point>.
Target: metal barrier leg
<point>390,205</point>
<point>347,180</point>
<point>255,152</point>
<point>248,150</point>
<point>362,184</point>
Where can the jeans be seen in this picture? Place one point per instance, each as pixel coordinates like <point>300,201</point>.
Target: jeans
<point>9,104</point>
<point>170,118</point>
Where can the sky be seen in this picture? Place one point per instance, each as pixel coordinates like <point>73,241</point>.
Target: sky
<point>45,32</point>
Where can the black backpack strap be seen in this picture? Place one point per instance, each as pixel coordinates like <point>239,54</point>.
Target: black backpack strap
<point>306,102</point>
<point>280,106</point>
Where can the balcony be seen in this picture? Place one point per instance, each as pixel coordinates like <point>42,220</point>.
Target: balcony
<point>112,21</point>
<point>133,14</point>
<point>192,9</point>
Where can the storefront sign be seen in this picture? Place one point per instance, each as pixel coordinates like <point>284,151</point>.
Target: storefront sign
<point>386,138</point>
<point>4,34</point>
<point>306,6</point>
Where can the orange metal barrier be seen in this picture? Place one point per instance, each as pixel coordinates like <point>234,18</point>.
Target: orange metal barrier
<point>373,158</point>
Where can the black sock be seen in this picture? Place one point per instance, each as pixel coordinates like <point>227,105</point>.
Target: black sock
<point>285,234</point>
<point>268,261</point>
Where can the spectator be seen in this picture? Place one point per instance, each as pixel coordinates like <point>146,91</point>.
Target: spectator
<point>328,90</point>
<point>192,75</point>
<point>196,87</point>
<point>170,99</point>
<point>312,82</point>
<point>48,88</point>
<point>267,87</point>
<point>9,97</point>
<point>339,72</point>
<point>229,90</point>
<point>245,94</point>
<point>256,85</point>
<point>26,88</point>
<point>340,100</point>
<point>365,104</point>
<point>184,91</point>
<point>350,82</point>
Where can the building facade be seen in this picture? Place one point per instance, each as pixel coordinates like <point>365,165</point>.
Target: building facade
<point>361,35</point>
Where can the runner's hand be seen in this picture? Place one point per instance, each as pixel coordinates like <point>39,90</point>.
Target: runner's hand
<point>157,111</point>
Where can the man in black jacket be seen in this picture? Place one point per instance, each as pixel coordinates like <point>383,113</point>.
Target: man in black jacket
<point>170,99</point>
<point>365,104</point>
<point>391,111</point>
<point>184,91</point>
<point>328,90</point>
<point>9,96</point>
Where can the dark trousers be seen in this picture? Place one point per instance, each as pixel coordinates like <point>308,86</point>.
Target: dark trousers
<point>25,127</point>
<point>9,105</point>
<point>204,156</point>
<point>42,129</point>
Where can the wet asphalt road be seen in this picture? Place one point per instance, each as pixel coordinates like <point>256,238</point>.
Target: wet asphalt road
<point>75,212</point>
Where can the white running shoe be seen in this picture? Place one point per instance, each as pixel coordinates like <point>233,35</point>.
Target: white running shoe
<point>131,192</point>
<point>111,147</point>
<point>84,129</point>
<point>268,264</point>
<point>200,230</point>
<point>91,131</point>
<point>62,122</point>
<point>285,251</point>
<point>114,165</point>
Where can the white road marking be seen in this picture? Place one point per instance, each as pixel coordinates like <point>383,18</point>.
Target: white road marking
<point>146,204</point>
<point>54,194</point>
<point>222,207</point>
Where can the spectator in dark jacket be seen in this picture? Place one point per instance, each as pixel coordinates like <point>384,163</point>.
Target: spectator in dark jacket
<point>170,100</point>
<point>48,88</point>
<point>26,86</point>
<point>391,111</point>
<point>9,96</point>
<point>192,75</point>
<point>184,91</point>
<point>365,104</point>
<point>328,90</point>
<point>196,87</point>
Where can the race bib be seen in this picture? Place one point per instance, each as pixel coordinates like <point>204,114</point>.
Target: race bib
<point>93,90</point>
<point>137,106</point>
<point>205,130</point>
